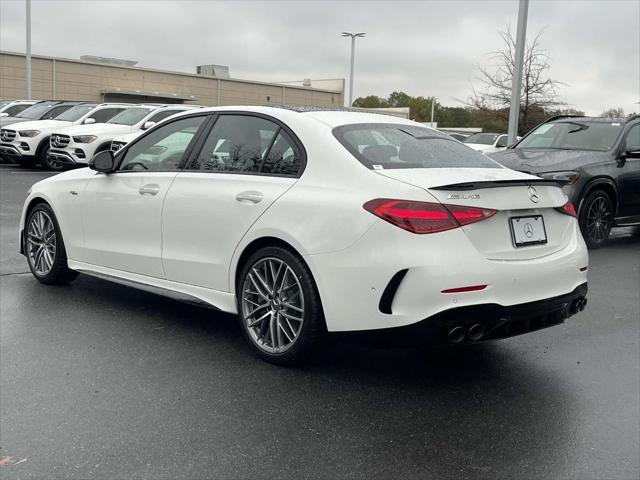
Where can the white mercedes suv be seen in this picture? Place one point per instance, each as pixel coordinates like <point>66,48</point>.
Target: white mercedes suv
<point>28,142</point>
<point>75,146</point>
<point>316,222</point>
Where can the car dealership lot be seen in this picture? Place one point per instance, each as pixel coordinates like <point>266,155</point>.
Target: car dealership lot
<point>102,381</point>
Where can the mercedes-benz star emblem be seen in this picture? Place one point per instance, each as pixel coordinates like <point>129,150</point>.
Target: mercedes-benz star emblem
<point>533,195</point>
<point>528,230</point>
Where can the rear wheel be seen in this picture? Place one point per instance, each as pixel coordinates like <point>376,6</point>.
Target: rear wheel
<point>596,218</point>
<point>279,306</point>
<point>44,247</point>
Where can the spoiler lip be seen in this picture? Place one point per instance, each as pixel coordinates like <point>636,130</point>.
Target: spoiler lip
<point>500,183</point>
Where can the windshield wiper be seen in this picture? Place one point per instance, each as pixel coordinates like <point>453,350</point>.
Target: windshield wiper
<point>581,126</point>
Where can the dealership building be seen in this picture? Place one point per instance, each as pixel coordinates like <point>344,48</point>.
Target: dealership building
<point>97,79</point>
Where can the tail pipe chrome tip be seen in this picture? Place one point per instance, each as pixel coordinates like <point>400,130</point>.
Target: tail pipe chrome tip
<point>457,334</point>
<point>476,332</point>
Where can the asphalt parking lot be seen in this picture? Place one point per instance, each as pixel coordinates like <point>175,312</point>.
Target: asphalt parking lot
<point>102,381</point>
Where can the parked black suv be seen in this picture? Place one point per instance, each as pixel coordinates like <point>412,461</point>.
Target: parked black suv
<point>600,160</point>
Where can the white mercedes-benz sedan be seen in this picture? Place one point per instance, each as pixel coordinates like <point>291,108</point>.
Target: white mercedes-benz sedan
<point>316,222</point>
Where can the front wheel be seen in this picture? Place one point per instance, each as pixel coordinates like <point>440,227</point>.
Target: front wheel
<point>44,247</point>
<point>279,306</point>
<point>50,163</point>
<point>596,218</point>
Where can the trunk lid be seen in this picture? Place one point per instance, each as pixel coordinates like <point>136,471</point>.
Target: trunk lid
<point>513,194</point>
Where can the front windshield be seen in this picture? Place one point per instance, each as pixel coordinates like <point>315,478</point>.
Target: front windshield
<point>574,135</point>
<point>36,111</point>
<point>130,116</point>
<point>381,146</point>
<point>75,113</point>
<point>482,138</point>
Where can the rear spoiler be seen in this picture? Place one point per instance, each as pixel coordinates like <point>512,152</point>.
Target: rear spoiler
<point>501,183</point>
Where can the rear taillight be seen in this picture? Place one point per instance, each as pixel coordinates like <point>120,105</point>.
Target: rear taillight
<point>567,209</point>
<point>426,217</point>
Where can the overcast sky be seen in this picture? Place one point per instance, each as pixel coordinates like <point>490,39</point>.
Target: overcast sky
<point>421,47</point>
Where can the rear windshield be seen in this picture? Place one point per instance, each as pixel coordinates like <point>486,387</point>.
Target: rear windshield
<point>74,113</point>
<point>131,116</point>
<point>36,111</point>
<point>381,146</point>
<point>482,138</point>
<point>574,135</point>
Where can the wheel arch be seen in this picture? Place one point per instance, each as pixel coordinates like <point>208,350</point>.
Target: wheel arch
<point>605,184</point>
<point>41,146</point>
<point>32,203</point>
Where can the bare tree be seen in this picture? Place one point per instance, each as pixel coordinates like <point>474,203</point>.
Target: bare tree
<point>539,92</point>
<point>613,113</point>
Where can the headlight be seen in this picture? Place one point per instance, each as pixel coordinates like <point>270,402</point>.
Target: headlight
<point>84,138</point>
<point>29,133</point>
<point>569,176</point>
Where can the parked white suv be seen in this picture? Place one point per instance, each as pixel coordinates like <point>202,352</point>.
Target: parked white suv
<point>10,108</point>
<point>28,142</point>
<point>76,145</point>
<point>487,142</point>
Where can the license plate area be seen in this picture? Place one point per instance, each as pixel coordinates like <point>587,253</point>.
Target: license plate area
<point>527,230</point>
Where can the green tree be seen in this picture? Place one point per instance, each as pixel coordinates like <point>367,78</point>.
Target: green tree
<point>371,101</point>
<point>399,99</point>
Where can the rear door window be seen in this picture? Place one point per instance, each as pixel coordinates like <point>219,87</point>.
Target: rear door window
<point>381,146</point>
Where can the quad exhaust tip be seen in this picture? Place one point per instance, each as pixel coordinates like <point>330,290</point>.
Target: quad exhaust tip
<point>476,332</point>
<point>578,305</point>
<point>457,334</point>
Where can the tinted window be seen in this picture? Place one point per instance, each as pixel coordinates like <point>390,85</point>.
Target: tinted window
<point>131,116</point>
<point>574,135</point>
<point>14,110</point>
<point>104,114</point>
<point>283,158</point>
<point>237,143</point>
<point>385,146</point>
<point>633,138</point>
<point>55,111</point>
<point>74,113</point>
<point>36,111</point>
<point>158,117</point>
<point>502,141</point>
<point>163,148</point>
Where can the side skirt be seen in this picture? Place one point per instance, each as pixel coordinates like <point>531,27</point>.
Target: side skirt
<point>218,300</point>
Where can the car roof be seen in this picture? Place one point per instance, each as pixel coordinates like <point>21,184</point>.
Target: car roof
<point>596,119</point>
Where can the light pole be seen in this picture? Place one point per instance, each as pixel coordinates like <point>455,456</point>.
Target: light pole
<point>433,104</point>
<point>516,82</point>
<point>28,55</point>
<point>353,53</point>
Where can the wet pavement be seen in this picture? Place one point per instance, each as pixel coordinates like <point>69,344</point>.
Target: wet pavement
<point>102,381</point>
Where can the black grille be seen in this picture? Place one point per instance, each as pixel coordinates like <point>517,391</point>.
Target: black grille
<point>7,135</point>
<point>59,141</point>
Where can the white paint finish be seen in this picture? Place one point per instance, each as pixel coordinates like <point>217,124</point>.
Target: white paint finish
<point>122,225</point>
<point>203,223</point>
<point>201,230</point>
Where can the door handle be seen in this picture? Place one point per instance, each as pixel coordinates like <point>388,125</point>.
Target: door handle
<point>250,196</point>
<point>149,189</point>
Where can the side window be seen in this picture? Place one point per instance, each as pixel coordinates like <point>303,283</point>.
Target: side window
<point>15,109</point>
<point>158,117</point>
<point>283,158</point>
<point>55,111</point>
<point>101,116</point>
<point>237,143</point>
<point>502,141</point>
<point>632,141</point>
<point>163,148</point>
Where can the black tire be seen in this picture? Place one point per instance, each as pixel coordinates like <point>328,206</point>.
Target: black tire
<point>311,333</point>
<point>47,162</point>
<point>58,273</point>
<point>596,218</point>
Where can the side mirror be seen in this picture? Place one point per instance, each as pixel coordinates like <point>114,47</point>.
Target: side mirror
<point>102,162</point>
<point>89,121</point>
<point>148,125</point>
<point>4,114</point>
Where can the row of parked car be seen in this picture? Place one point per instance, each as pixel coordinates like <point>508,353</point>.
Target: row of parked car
<point>61,134</point>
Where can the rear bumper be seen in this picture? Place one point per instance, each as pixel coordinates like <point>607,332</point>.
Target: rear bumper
<point>484,322</point>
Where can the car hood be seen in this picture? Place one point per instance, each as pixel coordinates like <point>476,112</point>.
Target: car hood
<point>545,160</point>
<point>97,129</point>
<point>43,124</point>
<point>6,121</point>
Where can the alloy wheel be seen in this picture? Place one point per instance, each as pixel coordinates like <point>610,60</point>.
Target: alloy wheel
<point>41,243</point>
<point>272,305</point>
<point>599,219</point>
